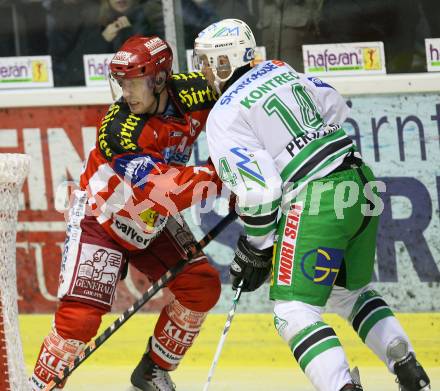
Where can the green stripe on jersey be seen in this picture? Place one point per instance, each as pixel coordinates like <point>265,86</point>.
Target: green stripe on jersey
<point>330,159</point>
<point>260,210</point>
<point>308,151</point>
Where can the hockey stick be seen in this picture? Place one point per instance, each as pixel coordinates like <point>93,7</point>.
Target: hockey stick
<point>223,337</point>
<point>159,284</point>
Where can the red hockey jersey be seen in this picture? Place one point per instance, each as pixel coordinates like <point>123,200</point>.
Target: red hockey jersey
<point>135,176</point>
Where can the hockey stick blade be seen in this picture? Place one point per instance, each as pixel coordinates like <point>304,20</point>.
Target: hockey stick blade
<point>231,314</point>
<point>158,285</point>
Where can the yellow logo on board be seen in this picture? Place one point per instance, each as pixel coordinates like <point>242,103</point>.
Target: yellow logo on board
<point>372,60</point>
<point>39,71</point>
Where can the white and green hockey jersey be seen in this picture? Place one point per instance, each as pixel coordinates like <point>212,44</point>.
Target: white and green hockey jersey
<point>269,134</point>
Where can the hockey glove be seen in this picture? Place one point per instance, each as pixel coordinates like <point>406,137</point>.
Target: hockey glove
<point>251,265</point>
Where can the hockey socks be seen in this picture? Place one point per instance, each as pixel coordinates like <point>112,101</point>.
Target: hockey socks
<point>55,354</point>
<point>75,323</point>
<point>376,325</point>
<point>319,354</point>
<point>175,331</point>
<point>368,310</point>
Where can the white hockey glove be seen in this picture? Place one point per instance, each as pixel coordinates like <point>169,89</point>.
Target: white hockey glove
<point>251,265</point>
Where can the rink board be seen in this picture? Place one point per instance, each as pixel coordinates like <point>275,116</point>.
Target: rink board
<point>254,356</point>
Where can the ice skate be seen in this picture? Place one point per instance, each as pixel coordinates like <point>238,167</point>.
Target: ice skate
<point>410,375</point>
<point>148,376</point>
<point>356,385</point>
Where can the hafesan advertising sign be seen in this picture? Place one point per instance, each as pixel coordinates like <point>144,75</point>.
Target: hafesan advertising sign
<point>26,72</point>
<point>96,69</point>
<point>432,48</point>
<point>355,58</point>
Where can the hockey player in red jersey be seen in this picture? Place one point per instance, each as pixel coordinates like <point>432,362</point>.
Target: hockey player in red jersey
<point>133,185</point>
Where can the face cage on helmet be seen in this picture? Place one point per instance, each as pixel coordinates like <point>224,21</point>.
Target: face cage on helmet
<point>202,59</point>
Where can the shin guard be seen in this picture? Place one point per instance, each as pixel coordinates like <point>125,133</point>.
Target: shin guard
<point>55,354</point>
<point>175,331</point>
<point>314,344</point>
<point>377,326</point>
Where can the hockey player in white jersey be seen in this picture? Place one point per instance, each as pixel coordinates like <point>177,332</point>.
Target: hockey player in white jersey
<point>276,140</point>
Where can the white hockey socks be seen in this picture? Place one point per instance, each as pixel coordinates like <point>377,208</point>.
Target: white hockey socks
<point>376,325</point>
<point>314,344</point>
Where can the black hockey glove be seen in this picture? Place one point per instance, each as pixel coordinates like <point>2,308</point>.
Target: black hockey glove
<point>251,265</point>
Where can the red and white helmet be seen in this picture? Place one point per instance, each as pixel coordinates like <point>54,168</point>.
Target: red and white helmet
<point>141,57</point>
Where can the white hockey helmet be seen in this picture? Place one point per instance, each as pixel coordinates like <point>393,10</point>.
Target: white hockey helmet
<point>231,38</point>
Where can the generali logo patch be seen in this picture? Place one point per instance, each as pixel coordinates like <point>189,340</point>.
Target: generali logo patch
<point>97,273</point>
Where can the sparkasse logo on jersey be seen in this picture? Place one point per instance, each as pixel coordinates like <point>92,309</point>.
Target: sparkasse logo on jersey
<point>356,58</point>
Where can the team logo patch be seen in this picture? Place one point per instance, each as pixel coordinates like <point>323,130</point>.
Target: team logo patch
<point>248,168</point>
<point>121,57</point>
<point>248,54</point>
<point>135,168</point>
<point>97,273</point>
<point>319,83</point>
<point>321,265</point>
<point>155,45</point>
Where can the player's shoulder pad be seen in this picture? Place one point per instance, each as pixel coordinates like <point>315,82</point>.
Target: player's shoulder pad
<point>120,130</point>
<point>190,92</point>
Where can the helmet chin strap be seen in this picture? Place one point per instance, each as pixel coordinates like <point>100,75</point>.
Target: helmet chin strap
<point>218,80</point>
<point>217,85</point>
<point>157,97</point>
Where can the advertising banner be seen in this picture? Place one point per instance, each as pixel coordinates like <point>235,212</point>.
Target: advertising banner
<point>342,59</point>
<point>432,48</point>
<point>397,135</point>
<point>96,69</point>
<point>26,72</point>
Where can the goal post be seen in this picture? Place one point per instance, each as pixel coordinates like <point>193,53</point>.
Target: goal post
<point>13,171</point>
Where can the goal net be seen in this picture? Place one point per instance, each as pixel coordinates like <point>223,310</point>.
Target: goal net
<point>13,171</point>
